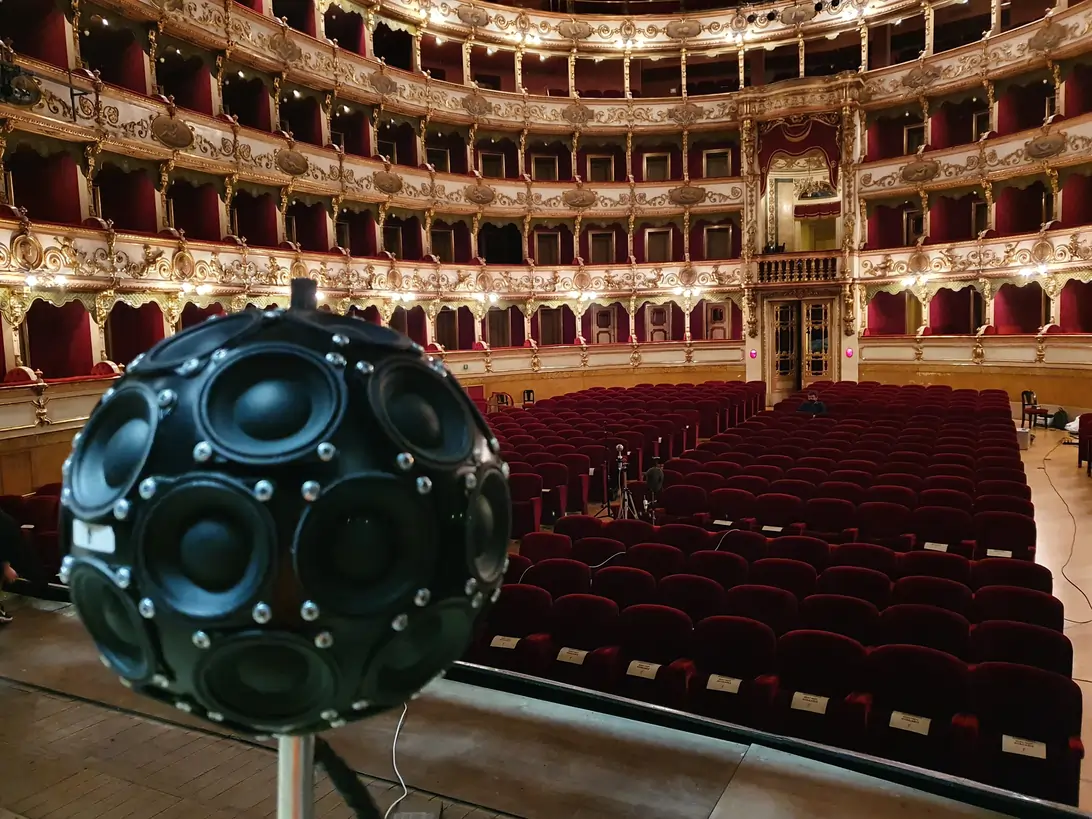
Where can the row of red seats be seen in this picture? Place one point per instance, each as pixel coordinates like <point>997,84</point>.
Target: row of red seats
<point>1005,723</point>
<point>37,514</point>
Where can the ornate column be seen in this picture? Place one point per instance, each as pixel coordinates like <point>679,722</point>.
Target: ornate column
<point>995,16</point>
<point>13,313</point>
<point>521,152</point>
<point>432,311</point>
<point>468,44</point>
<point>386,312</point>
<point>863,30</point>
<point>370,22</point>
<point>166,215</point>
<point>847,177</point>
<point>415,57</point>
<point>518,65</point>
<point>752,186</point>
<point>474,227</point>
<point>100,312</point>
<point>741,66</point>
<point>480,309</point>
<point>927,10</point>
<point>572,73</point>
<point>631,308</point>
<point>987,300</point>
<point>580,309</point>
<point>529,309</point>
<point>924,197</point>
<point>6,127</point>
<point>800,53</point>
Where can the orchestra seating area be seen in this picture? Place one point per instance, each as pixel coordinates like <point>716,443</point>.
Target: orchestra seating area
<point>863,578</point>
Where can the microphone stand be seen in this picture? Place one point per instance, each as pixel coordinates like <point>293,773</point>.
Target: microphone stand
<point>296,777</point>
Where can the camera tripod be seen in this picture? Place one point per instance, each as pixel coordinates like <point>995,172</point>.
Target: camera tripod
<point>627,506</point>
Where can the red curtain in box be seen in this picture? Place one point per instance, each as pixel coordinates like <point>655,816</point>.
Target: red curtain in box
<point>799,135</point>
<point>818,210</point>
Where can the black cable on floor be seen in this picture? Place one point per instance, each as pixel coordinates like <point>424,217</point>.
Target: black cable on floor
<point>347,783</point>
<point>1073,541</point>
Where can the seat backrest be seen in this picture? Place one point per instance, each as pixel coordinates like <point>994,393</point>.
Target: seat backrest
<point>936,564</point>
<point>578,527</point>
<point>595,551</point>
<point>734,646</point>
<point>856,581</point>
<point>538,546</point>
<point>630,531</point>
<point>920,681</point>
<point>922,625</point>
<point>819,662</point>
<point>840,614</point>
<point>1018,700</point>
<point>775,607</point>
<point>933,591</point>
<point>792,575</point>
<point>559,576</point>
<point>1012,642</point>
<point>520,610</point>
<point>726,568</point>
<point>809,550</point>
<point>658,559</point>
<point>1022,605</point>
<point>653,632</point>
<point>1003,571</point>
<point>625,585</point>
<point>685,537</point>
<point>697,596</point>
<point>948,498</point>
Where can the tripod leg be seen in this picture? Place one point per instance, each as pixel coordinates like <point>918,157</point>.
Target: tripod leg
<point>296,777</point>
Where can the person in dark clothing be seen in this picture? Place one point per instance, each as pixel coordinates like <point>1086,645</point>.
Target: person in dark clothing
<point>813,406</point>
<point>11,542</point>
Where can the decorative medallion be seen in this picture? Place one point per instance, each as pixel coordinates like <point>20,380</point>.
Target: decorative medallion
<point>292,162</point>
<point>473,17</point>
<point>918,262</point>
<point>579,198</point>
<point>394,279</point>
<point>183,265</point>
<point>26,252</point>
<point>387,182</point>
<point>688,276</point>
<point>576,113</point>
<point>575,29</point>
<point>285,47</point>
<point>683,29</point>
<point>686,113</point>
<point>920,76</point>
<point>484,282</point>
<point>582,280</point>
<point>299,270</point>
<point>479,194</point>
<point>23,91</point>
<point>686,195</point>
<point>383,84</point>
<point>1045,146</point>
<point>477,105</point>
<point>172,132</point>
<point>920,170</point>
<point>1042,252</point>
<point>798,14</point>
<point>1048,38</point>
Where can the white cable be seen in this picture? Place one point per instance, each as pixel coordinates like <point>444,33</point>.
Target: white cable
<point>394,762</point>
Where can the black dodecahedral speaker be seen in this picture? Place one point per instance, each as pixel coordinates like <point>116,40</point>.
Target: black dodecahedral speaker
<point>284,520</point>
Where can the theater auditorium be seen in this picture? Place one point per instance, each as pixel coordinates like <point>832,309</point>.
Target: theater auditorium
<point>779,314</point>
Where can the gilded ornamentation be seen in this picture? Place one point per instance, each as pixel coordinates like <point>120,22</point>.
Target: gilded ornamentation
<point>477,104</point>
<point>536,362</point>
<point>23,91</point>
<point>386,181</point>
<point>582,280</point>
<point>575,29</point>
<point>978,352</point>
<point>583,354</point>
<point>798,14</point>
<point>576,113</point>
<point>27,252</point>
<point>383,84</point>
<point>920,76</point>
<point>687,195</point>
<point>284,47</point>
<point>688,351</point>
<point>171,131</point>
<point>683,29</point>
<point>183,265</point>
<point>920,170</point>
<point>1042,252</point>
<point>688,276</point>
<point>291,161</point>
<point>686,113</point>
<point>1049,37</point>
<point>479,193</point>
<point>473,16</point>
<point>579,198</point>
<point>1040,347</point>
<point>919,262</point>
<point>635,354</point>
<point>1045,146</point>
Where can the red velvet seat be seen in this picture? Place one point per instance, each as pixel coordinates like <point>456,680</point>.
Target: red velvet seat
<point>649,663</point>
<point>732,509</point>
<point>630,532</point>
<point>597,551</point>
<point>933,591</point>
<point>751,546</point>
<point>1012,642</point>
<point>776,608</point>
<point>1022,605</point>
<point>526,492</point>
<point>559,576</point>
<point>1029,725</point>
<point>809,550</point>
<point>536,546</point>
<point>849,616</point>
<point>698,597</point>
<point>1014,489</point>
<point>867,555</point>
<point>923,625</point>
<point>516,566</point>
<point>936,564</point>
<point>726,568</point>
<point>686,537</point>
<point>683,504</point>
<point>579,624</point>
<point>658,559</point>
<point>520,611</point>
<point>1002,571</point>
<point>890,493</point>
<point>791,575</point>
<point>729,653</point>
<point>625,585</point>
<point>775,514</point>
<point>946,498</point>
<point>1004,534</point>
<point>856,581</point>
<point>884,524</point>
<point>942,529</point>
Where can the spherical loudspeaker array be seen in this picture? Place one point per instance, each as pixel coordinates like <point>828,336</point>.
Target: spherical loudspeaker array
<point>284,520</point>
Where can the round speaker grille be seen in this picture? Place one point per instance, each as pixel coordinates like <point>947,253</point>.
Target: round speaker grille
<point>434,639</point>
<point>271,404</point>
<point>112,450</point>
<point>271,680</point>
<point>488,527</point>
<point>198,341</point>
<point>206,547</point>
<point>422,411</point>
<point>366,544</point>
<point>113,622</point>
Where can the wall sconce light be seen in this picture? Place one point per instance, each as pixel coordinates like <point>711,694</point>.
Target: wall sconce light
<point>693,292</point>
<point>1041,270</point>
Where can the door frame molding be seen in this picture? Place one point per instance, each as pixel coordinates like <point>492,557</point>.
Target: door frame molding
<point>767,300</point>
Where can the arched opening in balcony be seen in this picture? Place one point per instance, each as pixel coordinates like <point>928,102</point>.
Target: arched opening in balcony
<point>394,46</point>
<point>37,29</point>
<point>720,320</point>
<point>553,325</point>
<point>1077,88</point>
<point>131,331</point>
<point>496,156</point>
<point>46,179</point>
<point>604,243</point>
<point>897,132</point>
<point>545,75</point>
<point>1076,199</point>
<point>657,241</point>
<point>956,312</point>
<point>893,314</point>
<point>369,314</point>
<point>959,119</point>
<point>396,141</point>
<point>402,236</point>
<point>601,162</point>
<point>346,26</point>
<point>957,216</point>
<point>801,203</point>
<point>254,216</point>
<point>59,340</point>
<point>1025,102</point>
<point>551,243</point>
<point>716,238</point>
<point>1075,308</point>
<point>300,14</point>
<point>442,58</point>
<point>894,224</point>
<point>350,129</point>
<point>193,315</point>
<point>195,206</point>
<point>398,321</point>
<point>835,53</point>
<point>445,149</point>
<point>302,115</point>
<point>960,24</point>
<point>247,96</point>
<point>356,230</point>
<point>125,192</point>
<point>548,161</point>
<point>307,223</point>
<point>115,48</point>
<point>185,73</point>
<point>900,41</point>
<point>493,67</point>
<point>600,77</point>
<point>1021,309</point>
<point>711,74</point>
<point>450,241</point>
<point>1024,205</point>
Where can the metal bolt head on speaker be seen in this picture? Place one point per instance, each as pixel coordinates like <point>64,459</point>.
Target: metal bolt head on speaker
<point>282,521</point>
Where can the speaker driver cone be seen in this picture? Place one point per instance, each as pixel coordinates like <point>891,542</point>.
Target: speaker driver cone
<point>113,622</point>
<point>423,412</point>
<point>368,543</point>
<point>199,341</point>
<point>270,680</point>
<point>488,527</point>
<point>270,404</point>
<point>206,547</point>
<point>112,450</point>
<point>434,639</point>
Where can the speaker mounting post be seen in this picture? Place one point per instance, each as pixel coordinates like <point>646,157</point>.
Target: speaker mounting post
<point>296,777</point>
